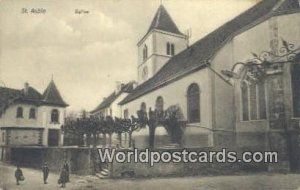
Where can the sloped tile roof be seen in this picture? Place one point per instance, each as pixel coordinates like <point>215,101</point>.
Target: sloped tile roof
<point>197,55</point>
<point>163,21</point>
<point>52,96</point>
<point>8,96</point>
<point>127,88</point>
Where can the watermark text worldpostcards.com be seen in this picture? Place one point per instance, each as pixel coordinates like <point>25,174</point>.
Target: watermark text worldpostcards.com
<point>152,157</point>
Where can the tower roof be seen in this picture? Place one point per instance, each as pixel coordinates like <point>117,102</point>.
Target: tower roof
<point>52,96</point>
<point>163,21</point>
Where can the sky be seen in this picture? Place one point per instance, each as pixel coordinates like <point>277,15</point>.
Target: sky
<point>86,54</point>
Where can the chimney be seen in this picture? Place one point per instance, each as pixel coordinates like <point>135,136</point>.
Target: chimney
<point>26,88</point>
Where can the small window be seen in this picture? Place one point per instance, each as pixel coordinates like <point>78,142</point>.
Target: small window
<point>19,112</point>
<point>32,114</point>
<point>172,49</point>
<point>54,116</point>
<point>168,49</point>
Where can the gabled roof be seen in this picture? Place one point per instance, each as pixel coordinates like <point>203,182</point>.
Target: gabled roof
<point>52,96</point>
<point>197,55</point>
<point>127,88</point>
<point>163,21</point>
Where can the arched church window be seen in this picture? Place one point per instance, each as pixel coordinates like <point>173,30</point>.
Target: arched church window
<point>253,97</point>
<point>143,106</point>
<point>54,116</point>
<point>159,104</point>
<point>295,72</point>
<point>193,103</point>
<point>32,114</point>
<point>19,112</point>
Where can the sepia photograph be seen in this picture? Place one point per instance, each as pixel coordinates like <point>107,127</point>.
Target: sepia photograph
<point>150,94</point>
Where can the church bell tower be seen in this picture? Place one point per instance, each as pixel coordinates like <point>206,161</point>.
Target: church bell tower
<point>162,41</point>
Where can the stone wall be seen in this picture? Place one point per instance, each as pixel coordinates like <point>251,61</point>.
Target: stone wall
<point>78,158</point>
<point>182,169</point>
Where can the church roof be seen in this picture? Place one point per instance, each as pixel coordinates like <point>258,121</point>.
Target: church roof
<point>127,88</point>
<point>163,21</point>
<point>52,96</point>
<point>196,56</point>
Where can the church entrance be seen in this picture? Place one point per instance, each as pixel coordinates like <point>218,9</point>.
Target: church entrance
<point>53,137</point>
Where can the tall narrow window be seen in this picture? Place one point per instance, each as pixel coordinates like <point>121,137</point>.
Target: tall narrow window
<point>245,101</point>
<point>32,114</point>
<point>143,106</point>
<point>193,103</point>
<point>159,105</point>
<point>172,49</point>
<point>19,112</point>
<point>145,53</point>
<point>262,100</point>
<point>168,49</point>
<point>253,102</point>
<point>295,86</point>
<point>126,114</point>
<point>54,116</point>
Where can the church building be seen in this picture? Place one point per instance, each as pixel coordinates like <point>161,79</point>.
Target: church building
<point>172,73</point>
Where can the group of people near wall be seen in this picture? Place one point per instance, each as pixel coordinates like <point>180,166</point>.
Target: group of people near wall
<point>64,176</point>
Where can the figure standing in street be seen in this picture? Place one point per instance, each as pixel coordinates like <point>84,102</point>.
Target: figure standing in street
<point>63,177</point>
<point>19,175</point>
<point>66,167</point>
<point>45,170</point>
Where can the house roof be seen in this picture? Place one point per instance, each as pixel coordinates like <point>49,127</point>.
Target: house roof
<point>127,88</point>
<point>9,96</point>
<point>52,96</point>
<point>196,56</point>
<point>163,21</point>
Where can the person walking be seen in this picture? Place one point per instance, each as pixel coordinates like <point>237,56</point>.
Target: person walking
<point>63,178</point>
<point>19,175</point>
<point>66,167</point>
<point>45,170</point>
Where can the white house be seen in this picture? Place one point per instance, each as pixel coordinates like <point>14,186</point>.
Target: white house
<point>28,118</point>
